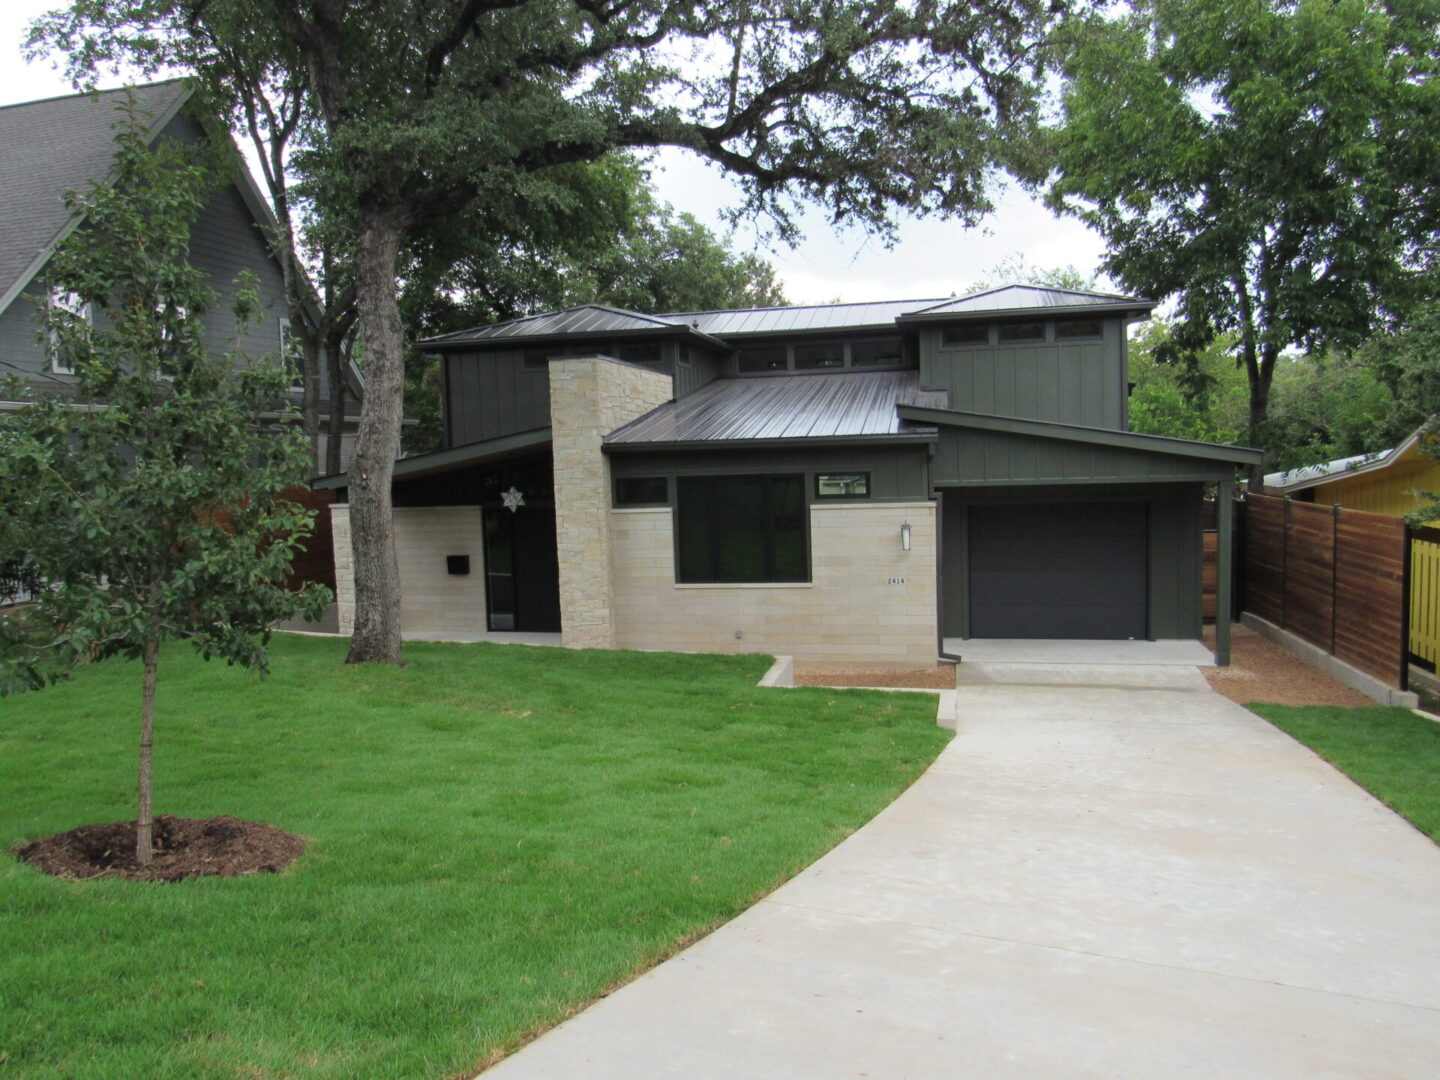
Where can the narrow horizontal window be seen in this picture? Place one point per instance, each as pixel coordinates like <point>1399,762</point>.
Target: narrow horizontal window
<point>1079,328</point>
<point>1021,331</point>
<point>851,485</point>
<point>642,491</point>
<point>879,352</point>
<point>646,354</point>
<point>740,529</point>
<point>966,334</point>
<point>819,357</point>
<point>771,358</point>
<point>537,360</point>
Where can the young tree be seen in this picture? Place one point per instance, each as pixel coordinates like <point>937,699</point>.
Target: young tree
<point>151,506</point>
<point>424,109</point>
<point>1272,166</point>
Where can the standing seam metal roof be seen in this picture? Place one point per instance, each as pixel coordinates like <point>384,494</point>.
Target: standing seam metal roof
<point>830,405</point>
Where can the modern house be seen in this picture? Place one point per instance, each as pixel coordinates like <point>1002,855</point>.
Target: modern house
<point>65,143</point>
<point>871,482</point>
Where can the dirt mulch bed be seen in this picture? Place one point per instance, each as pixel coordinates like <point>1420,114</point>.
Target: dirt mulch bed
<point>941,677</point>
<point>1262,671</point>
<point>184,847</point>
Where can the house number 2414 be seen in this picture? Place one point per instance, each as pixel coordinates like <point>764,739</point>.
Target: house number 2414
<point>895,581</point>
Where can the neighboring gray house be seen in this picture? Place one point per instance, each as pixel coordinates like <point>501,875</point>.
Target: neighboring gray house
<point>64,143</point>
<point>861,482</point>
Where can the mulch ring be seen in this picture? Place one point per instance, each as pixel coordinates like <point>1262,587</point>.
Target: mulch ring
<point>941,677</point>
<point>184,847</point>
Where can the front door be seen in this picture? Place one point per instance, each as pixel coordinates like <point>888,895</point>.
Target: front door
<point>522,571</point>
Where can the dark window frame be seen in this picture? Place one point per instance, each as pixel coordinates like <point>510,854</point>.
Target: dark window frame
<point>715,537</point>
<point>981,342</point>
<point>1019,324</point>
<point>629,504</point>
<point>822,496</point>
<point>1061,324</point>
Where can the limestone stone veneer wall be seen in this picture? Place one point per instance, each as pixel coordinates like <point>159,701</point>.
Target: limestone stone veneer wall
<point>589,397</point>
<point>849,612</point>
<point>432,600</point>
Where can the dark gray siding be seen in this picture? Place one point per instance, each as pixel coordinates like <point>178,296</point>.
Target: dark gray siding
<point>492,393</point>
<point>1069,382</point>
<point>897,473</point>
<point>1174,549</point>
<point>697,367</point>
<point>967,456</point>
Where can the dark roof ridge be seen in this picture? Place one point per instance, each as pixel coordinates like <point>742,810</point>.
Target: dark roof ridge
<point>801,307</point>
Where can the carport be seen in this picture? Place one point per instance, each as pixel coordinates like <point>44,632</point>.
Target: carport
<point>1058,531</point>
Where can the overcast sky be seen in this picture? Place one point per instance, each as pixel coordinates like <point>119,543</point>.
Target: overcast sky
<point>932,258</point>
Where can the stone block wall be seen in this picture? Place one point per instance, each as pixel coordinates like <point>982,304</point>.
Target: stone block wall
<point>849,612</point>
<point>590,397</point>
<point>432,600</point>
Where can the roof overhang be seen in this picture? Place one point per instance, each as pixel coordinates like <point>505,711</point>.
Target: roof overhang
<point>1075,433</point>
<point>1382,460</point>
<point>458,457</point>
<point>448,343</point>
<point>1129,309</point>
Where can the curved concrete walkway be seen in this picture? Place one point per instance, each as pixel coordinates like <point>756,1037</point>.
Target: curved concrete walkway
<point>1110,873</point>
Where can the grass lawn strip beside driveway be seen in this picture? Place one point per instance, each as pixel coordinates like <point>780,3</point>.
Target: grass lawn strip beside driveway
<point>1390,752</point>
<point>497,835</point>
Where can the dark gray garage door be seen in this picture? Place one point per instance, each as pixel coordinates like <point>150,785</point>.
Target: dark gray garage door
<point>1058,570</point>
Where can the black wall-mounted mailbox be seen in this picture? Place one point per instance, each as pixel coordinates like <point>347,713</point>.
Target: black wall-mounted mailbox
<point>457,564</point>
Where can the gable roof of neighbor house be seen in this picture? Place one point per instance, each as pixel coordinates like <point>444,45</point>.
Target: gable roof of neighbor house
<point>50,147</point>
<point>1340,469</point>
<point>719,327</point>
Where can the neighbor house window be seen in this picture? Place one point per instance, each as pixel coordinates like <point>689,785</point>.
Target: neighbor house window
<point>1021,331</point>
<point>741,529</point>
<point>876,352</point>
<point>72,304</point>
<point>816,357</point>
<point>642,491</point>
<point>290,350</point>
<point>847,485</point>
<point>966,334</point>
<point>770,358</point>
<point>1079,328</point>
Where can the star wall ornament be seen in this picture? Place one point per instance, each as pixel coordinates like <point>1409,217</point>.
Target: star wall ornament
<point>513,499</point>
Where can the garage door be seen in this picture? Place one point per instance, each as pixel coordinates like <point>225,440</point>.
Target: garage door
<point>1058,570</point>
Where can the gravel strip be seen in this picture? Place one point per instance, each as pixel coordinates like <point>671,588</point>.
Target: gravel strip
<point>941,677</point>
<point>1262,671</point>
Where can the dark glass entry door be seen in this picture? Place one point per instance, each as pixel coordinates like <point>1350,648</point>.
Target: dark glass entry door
<point>522,582</point>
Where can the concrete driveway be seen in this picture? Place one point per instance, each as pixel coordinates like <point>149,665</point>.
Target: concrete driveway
<point>1109,873</point>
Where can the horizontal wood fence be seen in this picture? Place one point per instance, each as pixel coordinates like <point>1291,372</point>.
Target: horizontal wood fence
<point>1425,595</point>
<point>1334,577</point>
<point>315,559</point>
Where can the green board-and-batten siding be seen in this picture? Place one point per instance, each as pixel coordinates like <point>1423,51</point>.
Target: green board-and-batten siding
<point>1173,548</point>
<point>970,457</point>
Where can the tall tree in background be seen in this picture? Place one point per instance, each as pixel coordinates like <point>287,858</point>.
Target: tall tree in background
<point>1271,166</point>
<point>425,109</point>
<point>159,515</point>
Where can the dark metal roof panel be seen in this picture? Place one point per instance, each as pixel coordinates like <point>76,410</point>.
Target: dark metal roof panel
<point>590,319</point>
<point>830,405</point>
<point>1027,298</point>
<point>789,320</point>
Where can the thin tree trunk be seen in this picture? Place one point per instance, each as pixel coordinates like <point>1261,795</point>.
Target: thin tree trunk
<point>335,357</point>
<point>310,391</point>
<point>144,828</point>
<point>372,534</point>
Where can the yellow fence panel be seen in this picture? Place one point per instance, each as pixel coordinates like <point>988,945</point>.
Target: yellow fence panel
<point>1425,598</point>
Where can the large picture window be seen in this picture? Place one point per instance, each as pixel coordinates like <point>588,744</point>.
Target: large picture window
<point>741,529</point>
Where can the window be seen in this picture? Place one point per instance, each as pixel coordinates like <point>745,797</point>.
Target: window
<point>734,529</point>
<point>646,355</point>
<point>1079,328</point>
<point>879,352</point>
<point>966,334</point>
<point>851,485</point>
<point>290,353</point>
<point>642,491</point>
<point>816,357</point>
<point>769,358</point>
<point>537,360</point>
<point>1011,333</point>
<point>71,304</point>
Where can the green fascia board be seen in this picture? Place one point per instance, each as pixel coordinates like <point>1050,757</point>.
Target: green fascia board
<point>917,439</point>
<point>1127,440</point>
<point>1138,309</point>
<point>441,460</point>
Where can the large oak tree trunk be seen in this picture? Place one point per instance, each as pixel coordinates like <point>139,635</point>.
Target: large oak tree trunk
<point>144,827</point>
<point>372,534</point>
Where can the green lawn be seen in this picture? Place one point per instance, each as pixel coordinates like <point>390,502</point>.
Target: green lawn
<point>497,834</point>
<point>1390,752</point>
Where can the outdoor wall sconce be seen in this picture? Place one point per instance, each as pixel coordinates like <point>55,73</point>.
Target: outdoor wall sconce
<point>905,536</point>
<point>457,564</point>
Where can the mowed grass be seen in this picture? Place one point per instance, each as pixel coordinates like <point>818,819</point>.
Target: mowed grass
<point>497,835</point>
<point>1390,752</point>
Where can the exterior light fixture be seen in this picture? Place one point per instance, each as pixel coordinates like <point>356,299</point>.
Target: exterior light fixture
<point>905,536</point>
